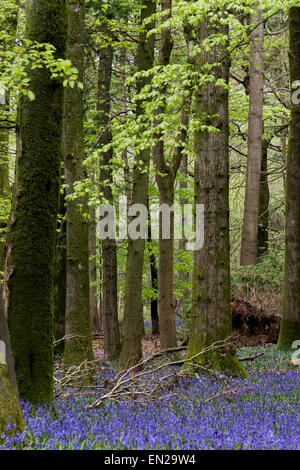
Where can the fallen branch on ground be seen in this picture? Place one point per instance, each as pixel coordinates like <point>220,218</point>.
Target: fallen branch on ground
<point>132,383</point>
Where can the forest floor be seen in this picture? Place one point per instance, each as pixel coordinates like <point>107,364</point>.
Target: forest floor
<point>192,412</point>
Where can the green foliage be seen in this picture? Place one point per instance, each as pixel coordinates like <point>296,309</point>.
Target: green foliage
<point>266,276</point>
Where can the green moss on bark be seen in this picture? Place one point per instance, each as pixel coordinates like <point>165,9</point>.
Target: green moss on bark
<point>289,332</point>
<point>78,345</point>
<point>32,230</point>
<point>211,310</point>
<point>290,323</point>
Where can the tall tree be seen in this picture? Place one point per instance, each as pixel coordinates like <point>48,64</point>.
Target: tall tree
<point>9,27</point>
<point>60,277</point>
<point>94,311</point>
<point>131,351</point>
<point>264,201</point>
<point>255,132</point>
<point>112,344</point>
<point>290,323</point>
<point>165,178</point>
<point>183,275</point>
<point>211,309</point>
<point>32,229</point>
<point>154,283</point>
<point>78,344</point>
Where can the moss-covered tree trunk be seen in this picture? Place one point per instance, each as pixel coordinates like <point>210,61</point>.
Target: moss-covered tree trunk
<point>131,351</point>
<point>78,344</point>
<point>211,310</point>
<point>10,410</point>
<point>32,230</point>
<point>111,332</point>
<point>290,323</point>
<point>256,79</point>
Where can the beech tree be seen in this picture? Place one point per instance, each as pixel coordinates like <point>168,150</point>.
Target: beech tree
<point>264,201</point>
<point>109,250</point>
<point>131,351</point>
<point>211,309</point>
<point>290,323</point>
<point>165,178</point>
<point>78,343</point>
<point>9,27</point>
<point>32,227</point>
<point>256,78</point>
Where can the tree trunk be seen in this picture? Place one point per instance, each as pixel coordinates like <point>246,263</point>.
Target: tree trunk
<point>95,320</point>
<point>167,328</point>
<point>32,230</point>
<point>78,344</point>
<point>4,155</point>
<point>211,309</point>
<point>112,343</point>
<point>264,200</point>
<point>290,323</point>
<point>154,283</point>
<point>10,27</point>
<point>60,279</point>
<point>4,177</point>
<point>251,207</point>
<point>183,276</point>
<point>131,351</point>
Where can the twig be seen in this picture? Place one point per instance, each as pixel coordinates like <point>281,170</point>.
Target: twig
<point>124,381</point>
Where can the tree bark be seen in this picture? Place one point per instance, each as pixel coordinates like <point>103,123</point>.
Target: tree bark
<point>264,200</point>
<point>10,27</point>
<point>255,132</point>
<point>78,344</point>
<point>32,228</point>
<point>166,184</point>
<point>154,283</point>
<point>60,278</point>
<point>95,320</point>
<point>211,309</point>
<point>167,328</point>
<point>112,343</point>
<point>183,276</point>
<point>131,351</point>
<point>290,323</point>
